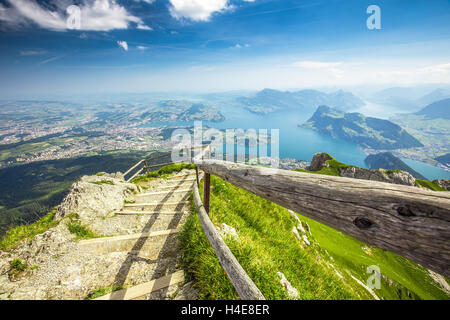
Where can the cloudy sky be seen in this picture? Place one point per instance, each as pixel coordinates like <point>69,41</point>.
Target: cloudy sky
<point>102,46</point>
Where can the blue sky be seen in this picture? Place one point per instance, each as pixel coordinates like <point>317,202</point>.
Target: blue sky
<point>219,45</point>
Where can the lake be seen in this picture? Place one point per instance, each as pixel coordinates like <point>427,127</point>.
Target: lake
<point>300,143</point>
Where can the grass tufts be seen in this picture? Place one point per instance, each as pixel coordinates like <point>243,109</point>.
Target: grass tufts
<point>103,182</point>
<point>103,291</point>
<point>81,231</point>
<point>27,232</point>
<point>429,185</point>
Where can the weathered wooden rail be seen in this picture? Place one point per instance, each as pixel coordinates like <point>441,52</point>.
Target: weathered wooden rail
<point>145,166</point>
<point>410,221</point>
<point>241,281</point>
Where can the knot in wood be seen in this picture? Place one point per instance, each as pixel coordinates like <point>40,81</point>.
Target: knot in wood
<point>405,211</point>
<point>362,223</point>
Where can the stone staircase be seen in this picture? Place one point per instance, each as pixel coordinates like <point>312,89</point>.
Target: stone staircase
<point>145,233</point>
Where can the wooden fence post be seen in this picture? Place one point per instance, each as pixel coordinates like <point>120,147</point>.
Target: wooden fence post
<point>196,175</point>
<point>206,191</point>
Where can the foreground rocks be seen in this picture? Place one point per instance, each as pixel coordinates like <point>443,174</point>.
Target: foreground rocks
<point>94,197</point>
<point>319,161</point>
<point>382,175</point>
<point>443,183</point>
<point>59,266</point>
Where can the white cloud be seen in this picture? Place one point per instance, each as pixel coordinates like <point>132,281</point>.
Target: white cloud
<point>141,48</point>
<point>316,64</point>
<point>143,27</point>
<point>239,46</point>
<point>32,52</point>
<point>96,15</point>
<point>197,10</point>
<point>123,44</point>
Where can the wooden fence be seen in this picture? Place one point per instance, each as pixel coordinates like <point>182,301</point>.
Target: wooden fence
<point>410,221</point>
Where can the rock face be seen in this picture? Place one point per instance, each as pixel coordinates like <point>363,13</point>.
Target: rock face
<point>400,177</point>
<point>390,176</point>
<point>96,196</point>
<point>228,231</point>
<point>299,228</point>
<point>443,183</point>
<point>319,161</point>
<point>290,290</point>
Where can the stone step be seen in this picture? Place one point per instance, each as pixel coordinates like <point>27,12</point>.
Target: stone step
<point>147,212</point>
<point>171,187</point>
<point>179,181</point>
<point>154,244</point>
<point>165,192</point>
<point>183,176</point>
<point>152,205</point>
<point>135,223</point>
<point>145,288</point>
<point>162,198</point>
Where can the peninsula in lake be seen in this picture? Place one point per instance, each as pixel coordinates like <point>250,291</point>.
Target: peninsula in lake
<point>368,132</point>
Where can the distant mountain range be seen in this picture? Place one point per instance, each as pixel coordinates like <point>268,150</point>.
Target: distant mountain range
<point>435,95</point>
<point>438,109</point>
<point>365,131</point>
<point>181,110</point>
<point>410,98</point>
<point>386,160</point>
<point>269,100</point>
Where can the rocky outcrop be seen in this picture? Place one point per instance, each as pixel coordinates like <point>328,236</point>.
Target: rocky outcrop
<point>290,290</point>
<point>382,175</point>
<point>228,231</point>
<point>319,161</point>
<point>299,228</point>
<point>443,183</point>
<point>96,196</point>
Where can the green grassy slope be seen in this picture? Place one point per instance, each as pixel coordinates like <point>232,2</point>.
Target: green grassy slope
<point>267,245</point>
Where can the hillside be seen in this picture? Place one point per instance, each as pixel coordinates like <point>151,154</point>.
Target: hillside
<point>438,109</point>
<point>269,100</point>
<point>287,255</point>
<point>387,160</point>
<point>326,266</point>
<point>181,110</point>
<point>365,131</point>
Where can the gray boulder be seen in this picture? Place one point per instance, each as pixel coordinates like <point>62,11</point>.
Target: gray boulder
<point>382,175</point>
<point>443,183</point>
<point>319,161</point>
